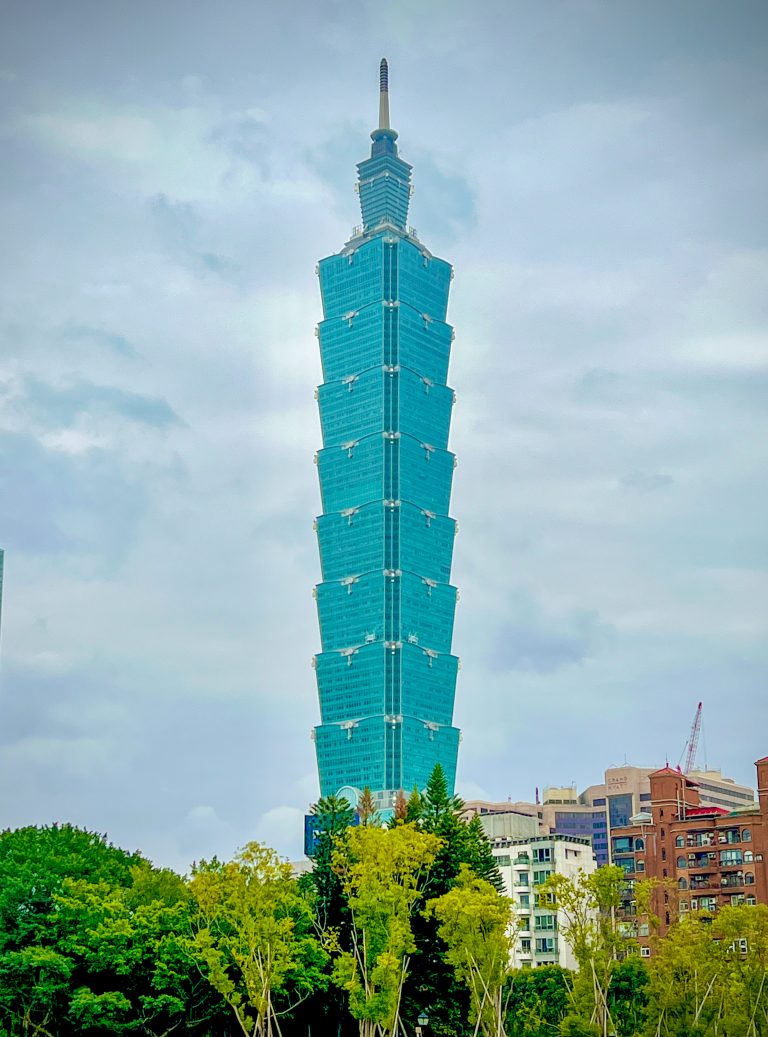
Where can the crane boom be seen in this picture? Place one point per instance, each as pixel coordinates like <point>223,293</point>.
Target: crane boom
<point>693,741</point>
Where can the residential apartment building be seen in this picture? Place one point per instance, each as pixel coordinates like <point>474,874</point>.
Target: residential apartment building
<point>704,856</point>
<point>524,865</point>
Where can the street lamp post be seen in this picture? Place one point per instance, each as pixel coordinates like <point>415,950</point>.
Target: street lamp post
<point>422,1020</point>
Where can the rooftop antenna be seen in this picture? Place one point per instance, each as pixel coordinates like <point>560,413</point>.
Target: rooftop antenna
<point>384,95</point>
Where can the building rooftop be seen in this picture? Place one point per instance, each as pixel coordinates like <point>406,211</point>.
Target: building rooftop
<point>502,841</point>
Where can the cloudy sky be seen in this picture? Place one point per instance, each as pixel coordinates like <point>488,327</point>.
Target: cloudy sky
<point>171,173</point>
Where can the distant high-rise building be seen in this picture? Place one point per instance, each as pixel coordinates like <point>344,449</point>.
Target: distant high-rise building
<point>386,677</point>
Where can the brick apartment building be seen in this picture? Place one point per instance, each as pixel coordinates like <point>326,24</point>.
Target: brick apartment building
<point>704,856</point>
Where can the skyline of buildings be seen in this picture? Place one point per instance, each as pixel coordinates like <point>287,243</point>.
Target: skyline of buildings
<point>602,807</point>
<point>386,674</point>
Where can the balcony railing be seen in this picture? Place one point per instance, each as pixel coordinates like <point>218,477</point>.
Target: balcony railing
<point>730,881</point>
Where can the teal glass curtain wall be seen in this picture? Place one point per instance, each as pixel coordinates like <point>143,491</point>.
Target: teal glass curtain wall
<point>386,675</point>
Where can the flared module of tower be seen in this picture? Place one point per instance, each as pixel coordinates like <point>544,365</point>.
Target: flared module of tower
<point>386,676</point>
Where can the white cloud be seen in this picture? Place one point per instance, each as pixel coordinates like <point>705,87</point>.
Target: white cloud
<point>163,220</point>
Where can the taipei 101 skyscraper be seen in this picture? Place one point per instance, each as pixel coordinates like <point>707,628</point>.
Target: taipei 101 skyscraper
<point>386,677</point>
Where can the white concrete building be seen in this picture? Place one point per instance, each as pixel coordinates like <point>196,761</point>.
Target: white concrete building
<point>525,864</point>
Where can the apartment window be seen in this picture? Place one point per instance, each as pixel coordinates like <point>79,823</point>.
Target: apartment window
<point>645,952</point>
<point>542,854</point>
<point>640,866</point>
<point>748,856</point>
<point>525,945</point>
<point>524,900</point>
<point>643,929</point>
<point>751,901</point>
<point>749,879</point>
<point>545,945</point>
<point>682,862</point>
<point>730,857</point>
<point>639,844</point>
<point>545,922</point>
<point>682,883</point>
<point>541,876</point>
<point>746,836</point>
<point>683,906</point>
<point>663,854</point>
<point>680,840</point>
<point>502,860</point>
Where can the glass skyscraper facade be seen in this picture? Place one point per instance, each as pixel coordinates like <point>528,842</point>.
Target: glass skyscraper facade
<point>386,675</point>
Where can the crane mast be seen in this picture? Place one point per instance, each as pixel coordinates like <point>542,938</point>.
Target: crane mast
<point>693,741</point>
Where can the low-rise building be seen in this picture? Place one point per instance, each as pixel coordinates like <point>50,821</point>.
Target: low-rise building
<point>702,856</point>
<point>524,865</point>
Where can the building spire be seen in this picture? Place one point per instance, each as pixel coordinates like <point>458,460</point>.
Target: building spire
<point>384,95</point>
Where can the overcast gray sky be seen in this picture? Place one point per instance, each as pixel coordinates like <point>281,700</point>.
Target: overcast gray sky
<point>171,173</point>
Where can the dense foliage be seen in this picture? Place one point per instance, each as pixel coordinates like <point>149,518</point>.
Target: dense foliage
<point>393,921</point>
<point>94,940</point>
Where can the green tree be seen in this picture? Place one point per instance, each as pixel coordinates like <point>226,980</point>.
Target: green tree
<point>587,907</point>
<point>537,1000</point>
<point>381,870</point>
<point>327,1009</point>
<point>741,937</point>
<point>475,925</point>
<point>432,980</point>
<point>628,995</point>
<point>35,985</point>
<point>334,816</point>
<point>131,945</point>
<point>480,856</point>
<point>254,937</point>
<point>415,806</point>
<point>709,976</point>
<point>684,973</point>
<point>93,940</point>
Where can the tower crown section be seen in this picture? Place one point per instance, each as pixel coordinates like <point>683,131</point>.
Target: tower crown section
<point>384,183</point>
<point>384,180</point>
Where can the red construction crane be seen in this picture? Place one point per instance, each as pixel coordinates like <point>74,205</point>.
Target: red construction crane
<point>693,741</point>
